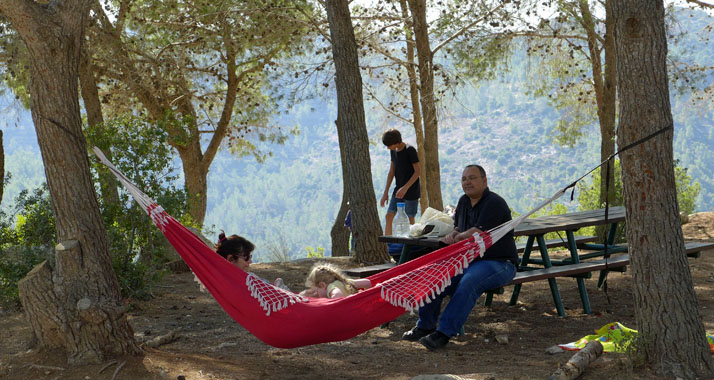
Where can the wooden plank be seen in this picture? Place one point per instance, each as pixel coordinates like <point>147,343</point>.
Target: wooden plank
<point>558,243</point>
<point>595,265</point>
<point>694,248</point>
<point>569,221</point>
<point>571,269</point>
<point>362,272</point>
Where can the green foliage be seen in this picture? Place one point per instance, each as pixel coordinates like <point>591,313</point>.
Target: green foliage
<point>25,238</point>
<point>687,191</point>
<point>136,279</point>
<point>35,222</point>
<point>313,253</point>
<point>31,223</point>
<point>213,62</point>
<point>589,197</point>
<point>137,247</point>
<point>15,263</point>
<point>15,65</point>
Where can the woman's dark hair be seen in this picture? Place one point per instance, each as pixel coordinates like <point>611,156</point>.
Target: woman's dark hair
<point>234,245</point>
<point>391,137</point>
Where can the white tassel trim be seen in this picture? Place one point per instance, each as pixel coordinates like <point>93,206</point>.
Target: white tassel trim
<point>271,306</point>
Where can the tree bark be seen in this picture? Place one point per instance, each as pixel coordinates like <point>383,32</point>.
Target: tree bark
<point>428,103</point>
<point>81,294</point>
<point>90,95</point>
<point>339,234</point>
<point>671,334</point>
<point>350,117</point>
<point>195,171</point>
<point>416,108</point>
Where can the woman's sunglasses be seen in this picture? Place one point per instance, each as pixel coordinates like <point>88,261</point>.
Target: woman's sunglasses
<point>244,256</point>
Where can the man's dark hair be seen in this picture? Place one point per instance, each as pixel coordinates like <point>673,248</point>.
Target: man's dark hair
<point>480,169</point>
<point>391,137</point>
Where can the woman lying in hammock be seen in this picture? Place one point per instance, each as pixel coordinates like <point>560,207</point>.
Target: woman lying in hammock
<point>239,252</point>
<point>324,281</point>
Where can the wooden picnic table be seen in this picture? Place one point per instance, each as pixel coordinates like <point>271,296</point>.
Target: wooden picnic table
<point>535,229</point>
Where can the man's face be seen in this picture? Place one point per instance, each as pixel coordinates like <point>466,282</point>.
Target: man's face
<point>394,147</point>
<point>473,182</point>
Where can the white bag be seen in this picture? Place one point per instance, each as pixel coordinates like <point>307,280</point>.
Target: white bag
<point>442,224</point>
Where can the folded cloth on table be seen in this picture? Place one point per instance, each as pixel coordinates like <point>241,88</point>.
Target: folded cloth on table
<point>432,223</point>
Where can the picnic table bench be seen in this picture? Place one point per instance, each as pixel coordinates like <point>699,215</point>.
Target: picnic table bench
<point>584,269</point>
<point>535,229</point>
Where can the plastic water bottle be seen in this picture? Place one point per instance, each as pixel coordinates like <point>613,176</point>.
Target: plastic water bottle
<point>400,226</point>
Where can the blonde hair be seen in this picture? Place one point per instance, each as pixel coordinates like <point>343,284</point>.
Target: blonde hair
<point>327,273</point>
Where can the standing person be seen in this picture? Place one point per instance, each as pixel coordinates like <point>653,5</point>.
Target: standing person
<point>478,210</point>
<point>404,169</point>
<point>348,225</point>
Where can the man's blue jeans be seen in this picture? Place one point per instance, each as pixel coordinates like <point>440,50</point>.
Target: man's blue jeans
<point>465,290</point>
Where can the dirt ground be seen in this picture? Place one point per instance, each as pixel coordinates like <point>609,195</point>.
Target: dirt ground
<point>210,345</point>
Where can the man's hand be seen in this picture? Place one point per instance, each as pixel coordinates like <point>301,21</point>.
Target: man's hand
<point>401,192</point>
<point>384,199</point>
<point>450,238</point>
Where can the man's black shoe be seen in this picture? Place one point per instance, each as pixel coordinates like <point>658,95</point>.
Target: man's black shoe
<point>435,340</point>
<point>416,333</point>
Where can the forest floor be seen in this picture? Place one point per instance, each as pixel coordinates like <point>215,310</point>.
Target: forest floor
<point>210,345</point>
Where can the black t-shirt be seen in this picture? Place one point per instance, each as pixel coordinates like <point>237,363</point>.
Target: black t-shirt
<point>489,212</point>
<point>404,169</point>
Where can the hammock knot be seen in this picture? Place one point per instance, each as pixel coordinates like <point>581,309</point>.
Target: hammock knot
<point>158,216</point>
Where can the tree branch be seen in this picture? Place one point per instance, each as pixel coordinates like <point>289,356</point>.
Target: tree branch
<point>466,28</point>
<point>701,4</point>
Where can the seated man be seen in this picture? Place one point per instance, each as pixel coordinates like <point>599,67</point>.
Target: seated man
<point>478,210</point>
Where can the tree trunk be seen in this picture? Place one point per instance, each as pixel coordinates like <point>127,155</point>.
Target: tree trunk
<point>195,178</point>
<point>607,108</point>
<point>350,117</point>
<point>339,234</point>
<point>671,334</point>
<point>604,80</point>
<point>108,184</point>
<point>81,295</point>
<point>604,87</point>
<point>428,103</point>
<point>416,109</point>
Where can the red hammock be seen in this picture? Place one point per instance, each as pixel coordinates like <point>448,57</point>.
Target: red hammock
<point>284,319</point>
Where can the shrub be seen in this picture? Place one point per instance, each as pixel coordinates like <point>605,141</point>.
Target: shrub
<point>141,152</point>
<point>15,263</point>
